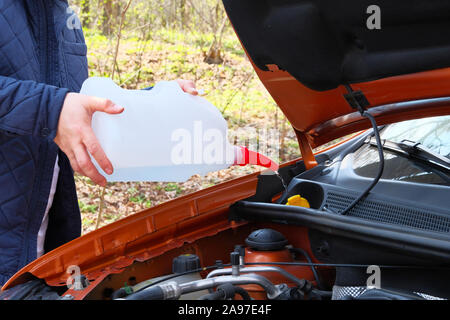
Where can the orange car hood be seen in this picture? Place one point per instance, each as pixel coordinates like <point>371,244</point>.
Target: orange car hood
<point>313,102</point>
<point>305,51</point>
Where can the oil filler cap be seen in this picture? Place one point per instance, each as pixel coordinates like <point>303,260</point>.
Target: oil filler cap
<point>266,240</point>
<point>185,262</point>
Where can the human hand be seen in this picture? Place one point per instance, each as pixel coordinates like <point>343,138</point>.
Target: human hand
<point>76,138</point>
<point>187,86</point>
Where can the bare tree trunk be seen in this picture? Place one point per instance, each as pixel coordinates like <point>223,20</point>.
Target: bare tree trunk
<point>85,13</point>
<point>214,53</point>
<point>107,17</point>
<point>283,156</point>
<point>119,35</point>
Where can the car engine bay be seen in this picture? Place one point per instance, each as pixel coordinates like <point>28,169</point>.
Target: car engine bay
<point>290,251</point>
<point>399,229</point>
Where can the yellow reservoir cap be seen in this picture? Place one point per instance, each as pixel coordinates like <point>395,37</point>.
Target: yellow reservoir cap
<point>298,201</point>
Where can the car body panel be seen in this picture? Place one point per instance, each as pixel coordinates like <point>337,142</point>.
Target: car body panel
<point>146,234</point>
<point>143,235</point>
<point>319,115</point>
<point>387,97</point>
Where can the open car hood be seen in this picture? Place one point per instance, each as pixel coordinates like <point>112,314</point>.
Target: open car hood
<point>306,52</point>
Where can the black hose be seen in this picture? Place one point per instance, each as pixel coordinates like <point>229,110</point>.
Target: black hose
<point>380,167</point>
<point>243,293</point>
<point>120,293</point>
<point>313,269</point>
<point>322,293</point>
<point>153,293</point>
<point>215,295</point>
<point>226,291</point>
<point>345,265</point>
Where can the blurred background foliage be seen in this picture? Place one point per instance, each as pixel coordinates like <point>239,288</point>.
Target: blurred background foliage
<point>138,43</point>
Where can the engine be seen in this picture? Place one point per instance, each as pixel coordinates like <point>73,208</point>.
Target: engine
<point>266,267</point>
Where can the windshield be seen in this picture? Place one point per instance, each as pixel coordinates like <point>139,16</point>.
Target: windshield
<point>433,133</point>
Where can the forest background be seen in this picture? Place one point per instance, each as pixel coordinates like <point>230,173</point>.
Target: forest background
<point>138,43</point>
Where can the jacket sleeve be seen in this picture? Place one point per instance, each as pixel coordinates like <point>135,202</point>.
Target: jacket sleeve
<point>30,108</point>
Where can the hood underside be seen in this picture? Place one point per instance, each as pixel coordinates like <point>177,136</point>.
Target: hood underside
<point>306,51</point>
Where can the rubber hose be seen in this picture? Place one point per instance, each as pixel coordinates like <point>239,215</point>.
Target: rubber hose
<point>152,293</point>
<point>243,293</point>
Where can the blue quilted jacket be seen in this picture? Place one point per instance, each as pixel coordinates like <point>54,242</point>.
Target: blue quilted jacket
<point>42,57</point>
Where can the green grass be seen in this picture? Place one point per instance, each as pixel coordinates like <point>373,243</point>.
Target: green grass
<point>232,98</point>
<point>87,208</point>
<point>173,187</point>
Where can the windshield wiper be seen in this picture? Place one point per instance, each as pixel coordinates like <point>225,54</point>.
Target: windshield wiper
<point>417,151</point>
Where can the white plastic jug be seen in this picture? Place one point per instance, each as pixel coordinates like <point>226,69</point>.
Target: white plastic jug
<point>164,134</point>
